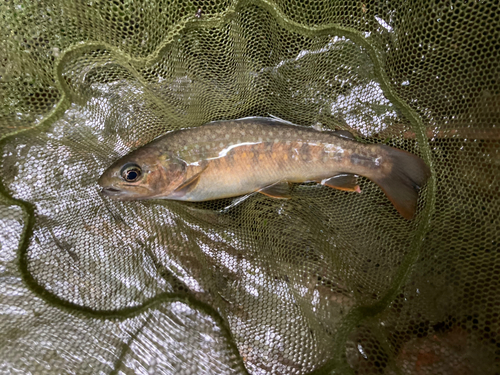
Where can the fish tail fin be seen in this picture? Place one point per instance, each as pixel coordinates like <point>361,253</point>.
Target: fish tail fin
<point>408,174</point>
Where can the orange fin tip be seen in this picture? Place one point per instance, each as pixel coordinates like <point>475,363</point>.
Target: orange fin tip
<point>280,190</point>
<point>343,181</point>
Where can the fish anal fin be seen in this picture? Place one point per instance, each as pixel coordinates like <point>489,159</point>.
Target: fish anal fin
<point>342,181</point>
<point>280,190</point>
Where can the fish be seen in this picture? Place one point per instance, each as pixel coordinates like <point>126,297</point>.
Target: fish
<point>231,158</point>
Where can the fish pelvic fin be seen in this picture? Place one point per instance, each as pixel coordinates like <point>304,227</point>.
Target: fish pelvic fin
<point>280,190</point>
<point>402,184</point>
<point>342,181</point>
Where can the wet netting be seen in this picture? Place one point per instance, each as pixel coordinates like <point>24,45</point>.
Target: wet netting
<point>325,282</point>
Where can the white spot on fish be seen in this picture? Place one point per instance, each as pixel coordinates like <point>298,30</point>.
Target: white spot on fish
<point>221,145</point>
<point>227,149</point>
<point>242,133</point>
<point>318,127</point>
<point>288,143</point>
<point>331,149</point>
<point>207,147</point>
<point>270,134</point>
<point>227,136</point>
<point>276,140</point>
<point>260,139</point>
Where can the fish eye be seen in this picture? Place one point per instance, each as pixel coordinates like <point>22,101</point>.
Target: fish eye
<point>131,172</point>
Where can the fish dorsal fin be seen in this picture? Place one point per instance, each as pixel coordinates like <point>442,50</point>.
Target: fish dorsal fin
<point>344,134</point>
<point>342,181</point>
<point>279,190</point>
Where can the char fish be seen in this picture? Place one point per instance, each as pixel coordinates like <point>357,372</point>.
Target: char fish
<point>231,158</point>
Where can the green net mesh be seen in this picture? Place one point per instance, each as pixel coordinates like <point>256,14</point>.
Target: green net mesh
<point>326,282</point>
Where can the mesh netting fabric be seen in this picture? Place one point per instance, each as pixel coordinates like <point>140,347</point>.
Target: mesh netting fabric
<point>327,281</point>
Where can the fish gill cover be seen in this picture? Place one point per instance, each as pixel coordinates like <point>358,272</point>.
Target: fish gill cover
<point>326,282</point>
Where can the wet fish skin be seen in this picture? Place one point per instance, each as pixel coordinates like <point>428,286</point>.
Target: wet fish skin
<point>231,158</point>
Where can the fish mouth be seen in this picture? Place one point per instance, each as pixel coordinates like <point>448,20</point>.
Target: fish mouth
<point>113,192</point>
<point>125,195</point>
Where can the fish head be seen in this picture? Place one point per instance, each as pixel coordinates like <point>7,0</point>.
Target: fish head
<point>143,174</point>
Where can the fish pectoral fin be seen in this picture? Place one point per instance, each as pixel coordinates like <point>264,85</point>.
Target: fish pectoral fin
<point>188,185</point>
<point>344,134</point>
<point>342,181</point>
<point>279,190</point>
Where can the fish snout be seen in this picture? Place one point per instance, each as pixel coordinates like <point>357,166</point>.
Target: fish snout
<point>108,186</point>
